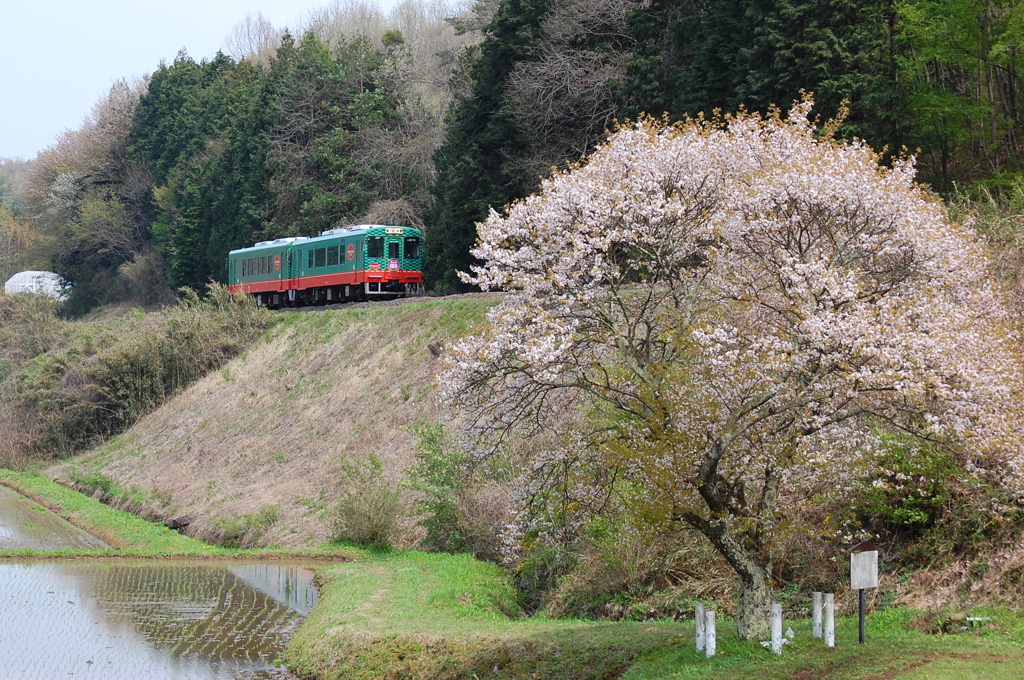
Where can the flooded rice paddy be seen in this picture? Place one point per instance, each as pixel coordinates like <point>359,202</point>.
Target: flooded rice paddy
<point>98,618</point>
<point>26,524</point>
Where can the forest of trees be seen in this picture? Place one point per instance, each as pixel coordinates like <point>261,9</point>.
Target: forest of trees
<point>433,113</point>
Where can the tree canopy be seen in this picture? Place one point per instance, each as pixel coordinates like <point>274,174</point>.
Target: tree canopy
<point>410,117</point>
<point>751,305</point>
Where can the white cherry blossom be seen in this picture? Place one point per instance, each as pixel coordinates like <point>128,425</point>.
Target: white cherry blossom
<point>757,303</point>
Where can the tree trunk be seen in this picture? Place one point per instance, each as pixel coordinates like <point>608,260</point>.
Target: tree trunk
<point>743,547</point>
<point>753,621</point>
<point>754,617</point>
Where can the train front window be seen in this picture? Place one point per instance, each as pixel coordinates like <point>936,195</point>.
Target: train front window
<point>375,246</point>
<point>412,248</point>
<point>332,256</point>
<point>392,250</point>
<point>321,259</point>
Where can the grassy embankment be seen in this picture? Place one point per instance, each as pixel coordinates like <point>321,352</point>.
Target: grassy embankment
<point>128,534</point>
<point>273,429</point>
<point>418,615</point>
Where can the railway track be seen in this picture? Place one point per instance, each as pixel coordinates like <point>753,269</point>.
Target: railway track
<point>339,306</point>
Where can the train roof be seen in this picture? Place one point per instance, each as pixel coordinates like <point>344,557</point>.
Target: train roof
<point>354,230</point>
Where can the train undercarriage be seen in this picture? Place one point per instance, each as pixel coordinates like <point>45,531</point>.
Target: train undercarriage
<point>384,290</point>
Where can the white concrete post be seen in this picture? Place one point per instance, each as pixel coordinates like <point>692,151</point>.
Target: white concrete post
<point>699,621</point>
<point>816,615</point>
<point>830,620</point>
<point>711,639</point>
<point>777,629</point>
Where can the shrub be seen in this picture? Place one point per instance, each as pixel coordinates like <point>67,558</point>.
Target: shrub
<point>146,280</point>
<point>368,506</point>
<point>108,375</point>
<point>30,326</point>
<point>463,502</point>
<point>925,504</point>
<point>440,477</point>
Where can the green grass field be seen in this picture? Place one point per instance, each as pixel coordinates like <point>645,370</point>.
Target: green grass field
<point>414,615</point>
<point>417,615</point>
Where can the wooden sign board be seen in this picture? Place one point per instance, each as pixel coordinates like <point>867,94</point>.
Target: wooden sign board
<point>864,566</point>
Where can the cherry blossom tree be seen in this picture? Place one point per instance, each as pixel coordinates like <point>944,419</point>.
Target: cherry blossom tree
<point>757,305</point>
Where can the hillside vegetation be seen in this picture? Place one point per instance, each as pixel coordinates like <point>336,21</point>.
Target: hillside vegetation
<point>433,112</point>
<point>260,451</point>
<point>67,385</point>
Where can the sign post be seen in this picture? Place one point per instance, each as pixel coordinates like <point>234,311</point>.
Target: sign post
<point>863,573</point>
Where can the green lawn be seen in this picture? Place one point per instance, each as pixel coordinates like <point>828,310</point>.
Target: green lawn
<point>417,615</point>
<point>891,651</point>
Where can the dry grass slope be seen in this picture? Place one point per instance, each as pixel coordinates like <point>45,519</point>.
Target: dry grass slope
<point>276,426</point>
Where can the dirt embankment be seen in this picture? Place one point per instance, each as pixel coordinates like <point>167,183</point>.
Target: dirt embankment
<point>277,425</point>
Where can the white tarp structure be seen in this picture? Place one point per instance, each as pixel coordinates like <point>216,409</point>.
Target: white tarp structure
<point>43,283</point>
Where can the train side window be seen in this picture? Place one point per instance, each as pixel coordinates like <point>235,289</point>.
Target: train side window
<point>321,259</point>
<point>311,255</point>
<point>332,256</point>
<point>392,250</point>
<point>375,246</point>
<point>245,269</point>
<point>412,248</point>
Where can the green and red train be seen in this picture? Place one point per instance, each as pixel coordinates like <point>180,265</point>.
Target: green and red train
<point>364,262</point>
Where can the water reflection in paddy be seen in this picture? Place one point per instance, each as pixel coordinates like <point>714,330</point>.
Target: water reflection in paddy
<point>105,619</point>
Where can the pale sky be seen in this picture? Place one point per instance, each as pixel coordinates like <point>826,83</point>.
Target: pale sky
<point>58,57</point>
